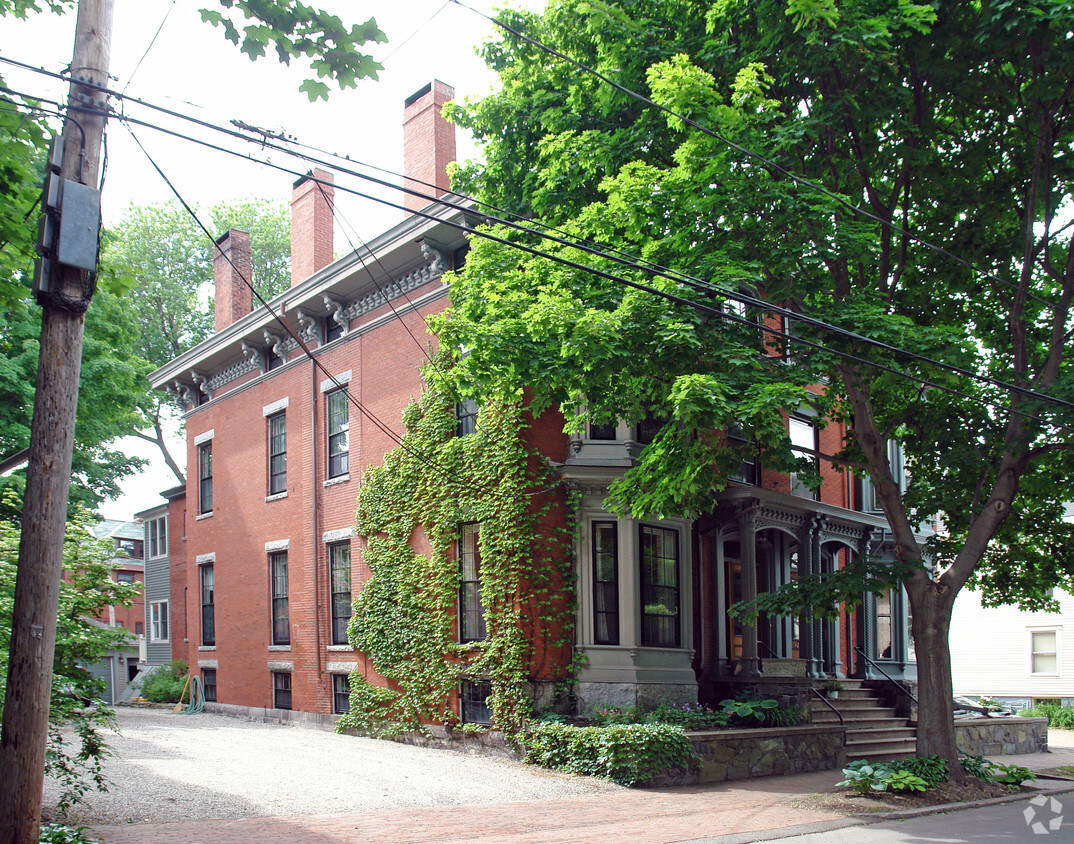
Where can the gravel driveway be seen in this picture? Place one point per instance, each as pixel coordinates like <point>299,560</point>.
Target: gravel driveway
<point>170,767</point>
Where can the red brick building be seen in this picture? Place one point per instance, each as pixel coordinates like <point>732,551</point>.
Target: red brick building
<point>275,453</point>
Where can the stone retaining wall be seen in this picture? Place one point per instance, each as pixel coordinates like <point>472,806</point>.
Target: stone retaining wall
<point>1001,736</point>
<point>772,751</point>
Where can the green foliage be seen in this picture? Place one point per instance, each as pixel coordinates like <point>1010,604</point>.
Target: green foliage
<point>865,778</point>
<point>55,833</point>
<point>790,716</point>
<point>166,684</point>
<point>294,29</point>
<point>1059,717</point>
<point>405,616</point>
<point>976,766</point>
<point>688,716</point>
<point>75,700</point>
<point>624,753</point>
<point>1012,775</point>
<point>931,769</point>
<point>902,780</point>
<point>748,708</point>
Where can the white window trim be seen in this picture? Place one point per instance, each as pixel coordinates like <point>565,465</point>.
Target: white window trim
<point>204,437</point>
<point>154,629</point>
<point>336,381</point>
<point>275,407</point>
<point>1058,651</point>
<point>201,559</point>
<point>337,535</point>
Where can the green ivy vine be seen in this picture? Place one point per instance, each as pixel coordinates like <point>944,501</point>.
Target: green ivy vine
<point>405,616</point>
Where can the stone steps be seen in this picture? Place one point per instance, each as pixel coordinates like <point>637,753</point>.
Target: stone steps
<point>873,731</point>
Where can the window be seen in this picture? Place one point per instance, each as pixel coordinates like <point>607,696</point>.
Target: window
<point>601,432</point>
<point>139,628</point>
<point>747,472</point>
<point>803,436</point>
<point>158,621</point>
<point>281,689</point>
<point>157,531</point>
<point>341,694</point>
<point>466,416</point>
<point>338,430</point>
<point>277,433</point>
<point>339,562</point>
<point>648,428</point>
<point>659,587</point>
<point>129,548</point>
<point>281,622</point>
<point>1045,653</point>
<point>272,360</point>
<point>208,609</point>
<point>870,502</point>
<point>125,577</point>
<point>208,683</point>
<point>205,477</point>
<point>474,702</point>
<point>605,584</point>
<point>332,329</point>
<point>471,610</point>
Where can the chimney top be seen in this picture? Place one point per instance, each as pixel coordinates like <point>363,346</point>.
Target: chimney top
<point>428,144</point>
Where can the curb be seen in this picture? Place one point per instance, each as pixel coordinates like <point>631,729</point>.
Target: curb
<point>943,808</point>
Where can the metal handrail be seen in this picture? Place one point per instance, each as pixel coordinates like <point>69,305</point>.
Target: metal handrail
<point>766,646</point>
<point>828,703</point>
<point>898,685</point>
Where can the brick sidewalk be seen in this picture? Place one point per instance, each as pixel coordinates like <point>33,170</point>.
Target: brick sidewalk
<point>656,815</point>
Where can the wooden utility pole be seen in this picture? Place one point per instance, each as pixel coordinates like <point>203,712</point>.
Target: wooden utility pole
<point>48,475</point>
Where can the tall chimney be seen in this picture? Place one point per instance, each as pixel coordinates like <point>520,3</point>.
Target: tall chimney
<point>312,224</point>
<point>428,144</point>
<point>231,273</point>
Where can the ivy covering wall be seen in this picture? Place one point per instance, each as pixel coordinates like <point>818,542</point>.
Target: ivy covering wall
<point>405,615</point>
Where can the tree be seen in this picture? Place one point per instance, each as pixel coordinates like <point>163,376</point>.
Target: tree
<point>112,379</point>
<point>949,124</point>
<point>170,258</point>
<point>87,589</point>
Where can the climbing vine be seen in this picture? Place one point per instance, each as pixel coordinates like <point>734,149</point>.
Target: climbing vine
<point>405,616</point>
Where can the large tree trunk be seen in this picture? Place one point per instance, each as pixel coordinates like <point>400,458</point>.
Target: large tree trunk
<point>931,604</point>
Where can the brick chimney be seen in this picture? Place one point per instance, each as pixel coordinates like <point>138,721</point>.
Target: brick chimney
<point>231,272</point>
<point>312,224</point>
<point>428,143</point>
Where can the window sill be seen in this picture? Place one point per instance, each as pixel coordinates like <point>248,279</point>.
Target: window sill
<point>206,647</point>
<point>201,516</point>
<point>341,479</point>
<point>275,497</point>
<point>340,649</point>
<point>279,647</point>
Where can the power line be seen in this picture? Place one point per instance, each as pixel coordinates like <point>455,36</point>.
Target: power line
<point>307,352</point>
<point>767,162</point>
<point>630,261</point>
<point>663,294</point>
<point>152,41</point>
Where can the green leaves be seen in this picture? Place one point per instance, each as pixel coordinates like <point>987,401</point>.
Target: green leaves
<point>294,30</point>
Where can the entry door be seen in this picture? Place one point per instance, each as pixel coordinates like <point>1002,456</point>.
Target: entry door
<point>733,594</point>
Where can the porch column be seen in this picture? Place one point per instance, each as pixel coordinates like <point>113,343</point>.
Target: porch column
<point>747,534</point>
<point>819,665</point>
<point>806,568</point>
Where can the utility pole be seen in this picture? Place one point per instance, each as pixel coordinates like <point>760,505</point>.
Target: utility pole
<point>48,476</point>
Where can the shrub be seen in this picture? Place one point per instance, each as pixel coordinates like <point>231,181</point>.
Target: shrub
<point>1060,717</point>
<point>624,753</point>
<point>57,833</point>
<point>931,769</point>
<point>977,766</point>
<point>165,685</point>
<point>865,778</point>
<point>905,781</point>
<point>604,715</point>
<point>687,716</point>
<point>744,710</point>
<point>780,717</point>
<point>1012,775</point>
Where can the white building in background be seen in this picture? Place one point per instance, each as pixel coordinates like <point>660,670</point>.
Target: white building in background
<point>1020,658</point>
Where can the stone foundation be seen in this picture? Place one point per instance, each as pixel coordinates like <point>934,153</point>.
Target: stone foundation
<point>745,754</point>
<point>622,695</point>
<point>1001,736</point>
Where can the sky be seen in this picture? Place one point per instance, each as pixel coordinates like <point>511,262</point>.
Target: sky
<point>162,53</point>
